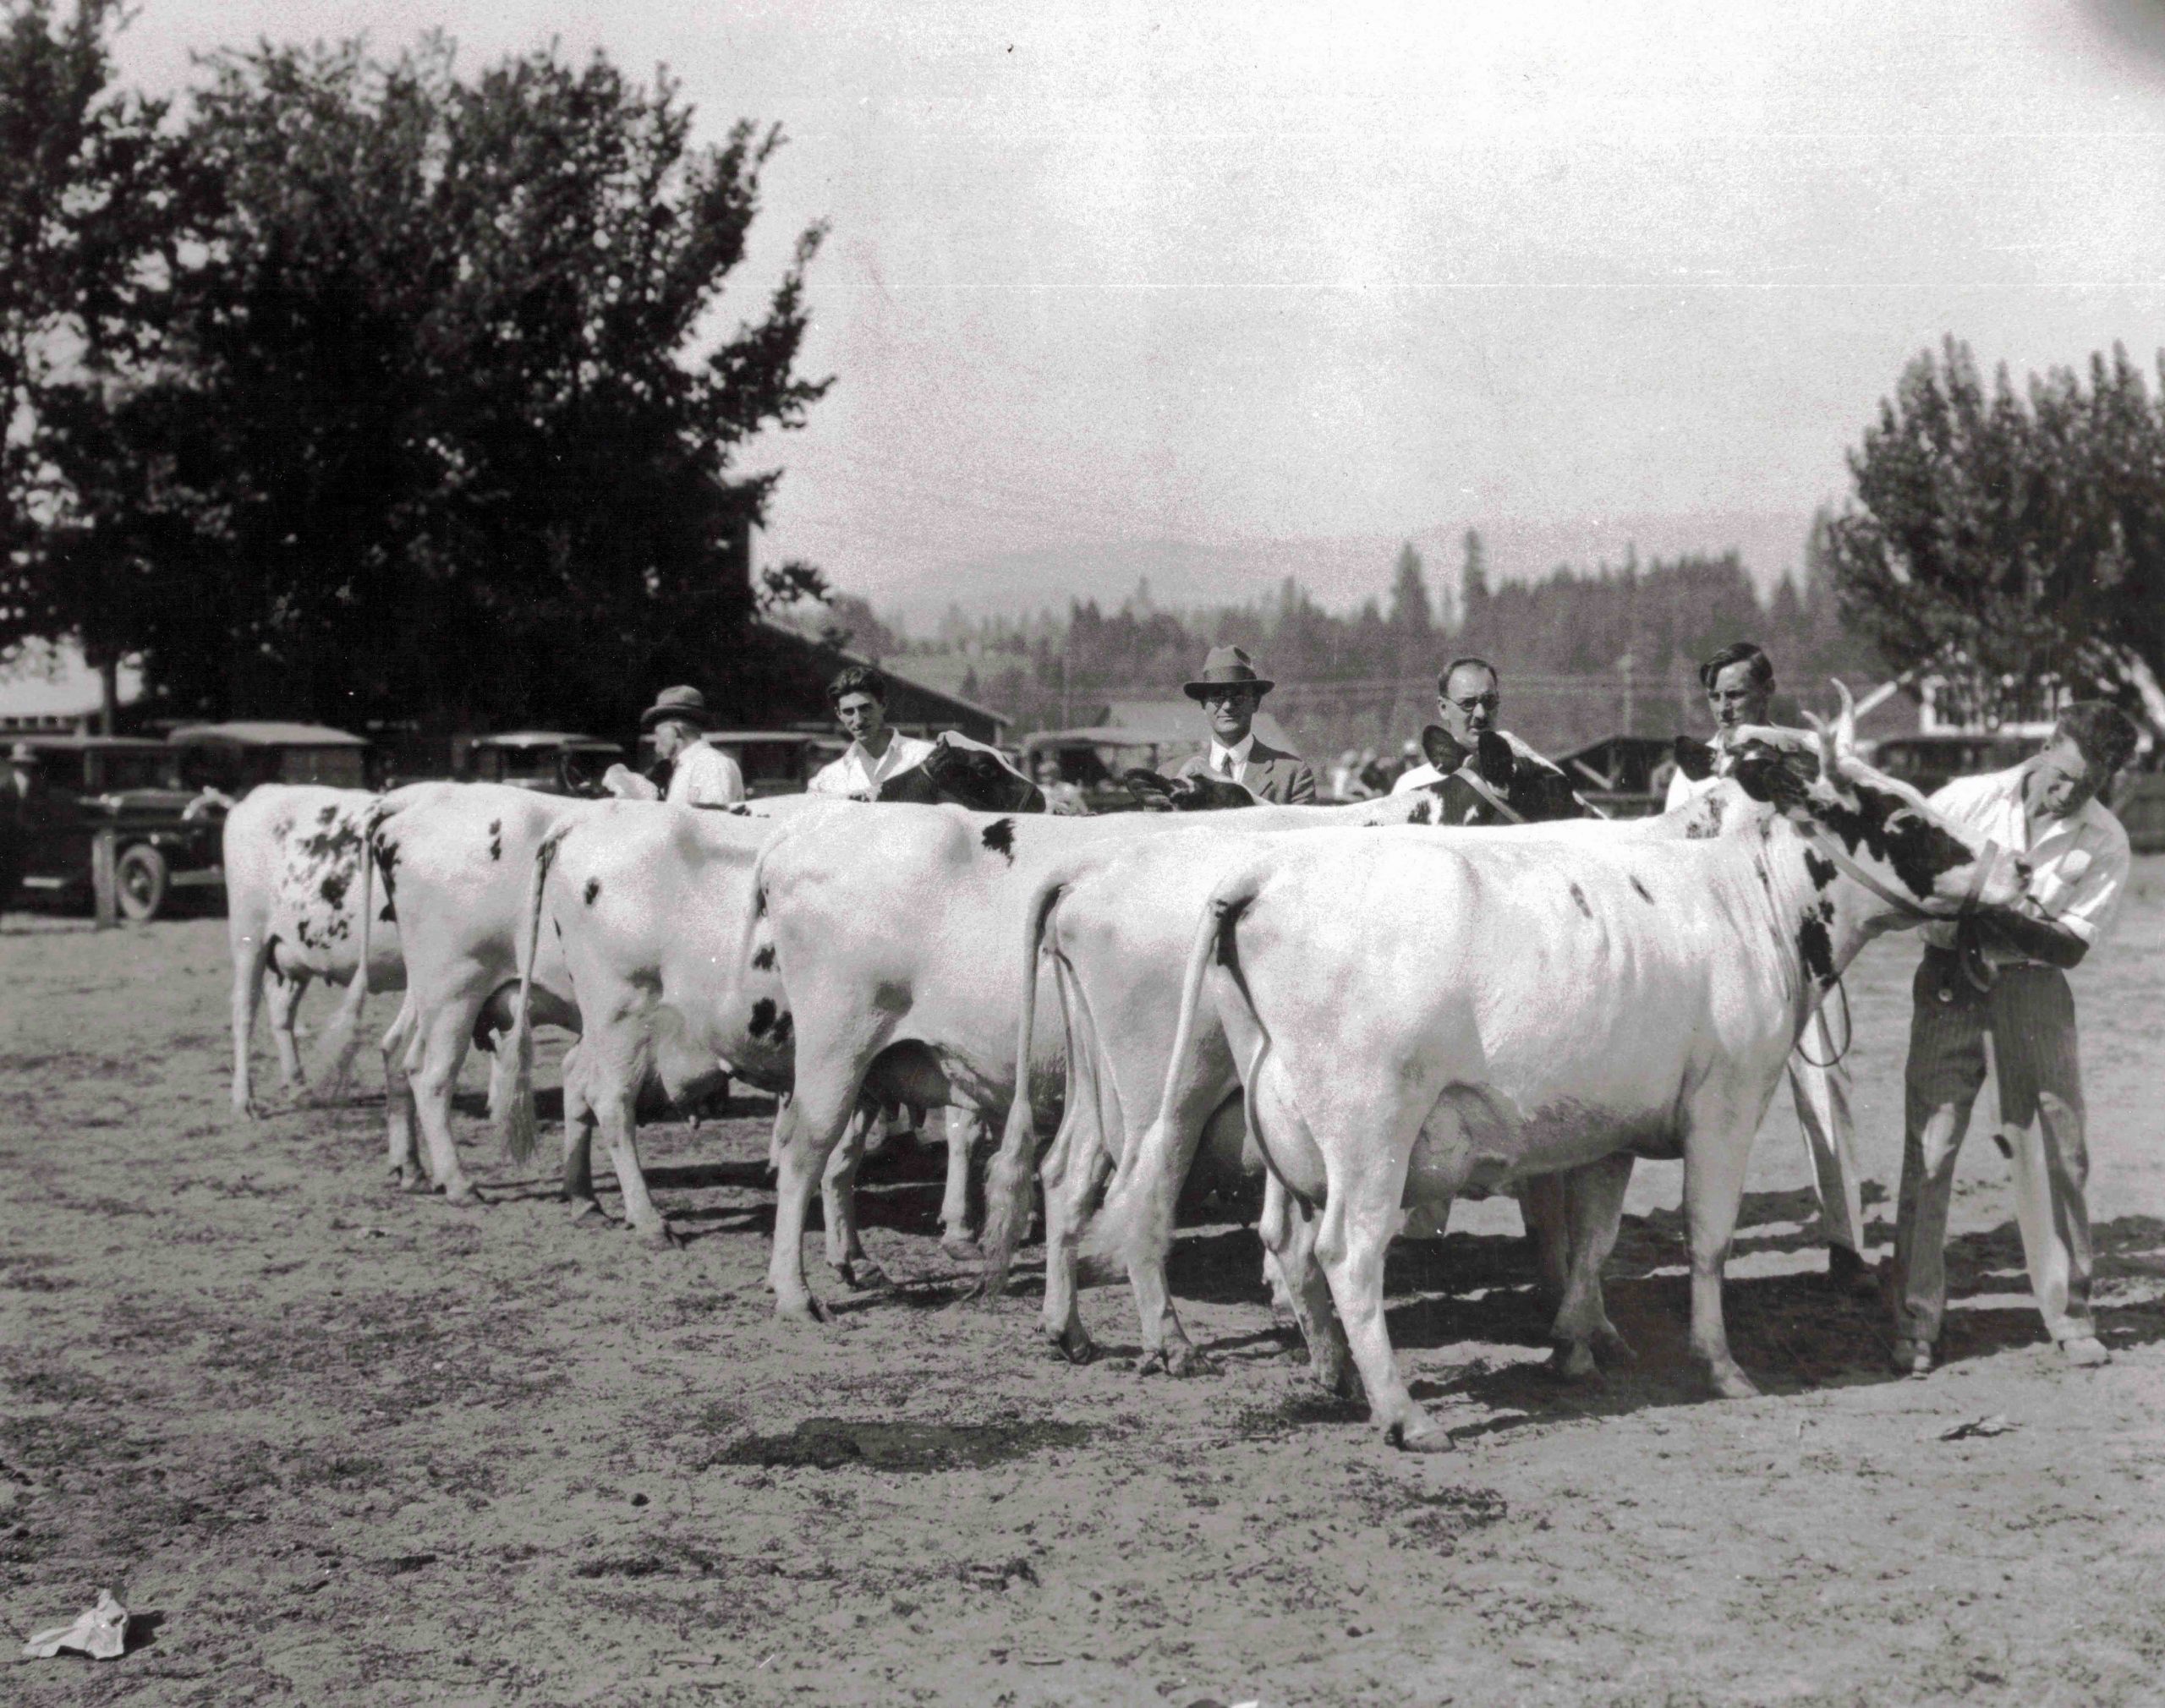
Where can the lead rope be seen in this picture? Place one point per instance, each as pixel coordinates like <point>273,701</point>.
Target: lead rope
<point>1848,1030</point>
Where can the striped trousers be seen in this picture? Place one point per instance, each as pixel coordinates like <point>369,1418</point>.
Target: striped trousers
<point>2028,1016</point>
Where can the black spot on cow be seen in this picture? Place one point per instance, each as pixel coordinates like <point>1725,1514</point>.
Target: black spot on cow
<point>386,862</point>
<point>334,887</point>
<point>1578,896</point>
<point>387,915</point>
<point>593,889</point>
<point>1646,894</point>
<point>765,959</point>
<point>768,1021</point>
<point>495,838</point>
<point>1424,811</point>
<point>559,925</point>
<point>999,838</point>
<point>270,959</point>
<point>1817,945</point>
<point>282,830</point>
<point>1821,869</point>
<point>327,814</point>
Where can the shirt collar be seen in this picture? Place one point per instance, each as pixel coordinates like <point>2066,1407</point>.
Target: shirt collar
<point>1237,754</point>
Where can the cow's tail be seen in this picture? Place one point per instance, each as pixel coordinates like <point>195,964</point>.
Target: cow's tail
<point>1007,1183</point>
<point>341,1041</point>
<point>1136,1220</point>
<point>515,1121</point>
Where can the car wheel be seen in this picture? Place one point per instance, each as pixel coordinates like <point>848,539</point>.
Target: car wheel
<point>140,883</point>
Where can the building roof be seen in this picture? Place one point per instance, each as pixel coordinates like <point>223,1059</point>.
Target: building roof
<point>544,738</point>
<point>893,672</point>
<point>253,734</point>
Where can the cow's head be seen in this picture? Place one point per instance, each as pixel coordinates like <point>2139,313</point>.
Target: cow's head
<point>965,774</point>
<point>1886,826</point>
<point>1694,758</point>
<point>1536,792</point>
<point>1156,794</point>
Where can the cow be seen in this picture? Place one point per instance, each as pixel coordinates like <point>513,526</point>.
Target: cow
<point>1116,925</point>
<point>294,910</point>
<point>1500,1006</point>
<point>897,953</point>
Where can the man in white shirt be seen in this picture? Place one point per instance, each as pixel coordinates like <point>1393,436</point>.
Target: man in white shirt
<point>700,775</point>
<point>1740,684</point>
<point>2002,974</point>
<point>875,751</point>
<point>1469,694</point>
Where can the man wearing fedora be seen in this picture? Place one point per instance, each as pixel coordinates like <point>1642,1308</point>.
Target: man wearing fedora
<point>1230,691</point>
<point>700,775</point>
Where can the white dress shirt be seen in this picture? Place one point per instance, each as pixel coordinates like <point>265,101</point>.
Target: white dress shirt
<point>704,776</point>
<point>1231,763</point>
<point>857,773</point>
<point>2078,864</point>
<point>1683,788</point>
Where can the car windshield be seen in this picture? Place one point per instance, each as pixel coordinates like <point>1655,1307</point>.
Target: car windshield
<point>133,770</point>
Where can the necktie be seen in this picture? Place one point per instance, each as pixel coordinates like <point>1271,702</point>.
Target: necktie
<point>1225,765</point>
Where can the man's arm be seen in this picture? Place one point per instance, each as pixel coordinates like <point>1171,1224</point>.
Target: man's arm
<point>2024,929</point>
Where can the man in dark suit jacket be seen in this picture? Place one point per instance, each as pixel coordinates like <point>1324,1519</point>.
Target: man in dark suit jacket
<point>1229,693</point>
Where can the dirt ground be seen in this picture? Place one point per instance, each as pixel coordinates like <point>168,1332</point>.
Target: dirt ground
<point>335,1445</point>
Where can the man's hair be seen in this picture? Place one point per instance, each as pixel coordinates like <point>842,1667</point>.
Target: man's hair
<point>1450,670</point>
<point>2104,733</point>
<point>858,679</point>
<point>1739,652</point>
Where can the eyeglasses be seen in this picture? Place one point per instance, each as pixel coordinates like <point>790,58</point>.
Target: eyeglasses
<point>1479,703</point>
<point>1226,697</point>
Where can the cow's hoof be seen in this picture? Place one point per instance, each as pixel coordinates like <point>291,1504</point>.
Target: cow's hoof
<point>409,1180</point>
<point>806,1313</point>
<point>464,1194</point>
<point>960,1248</point>
<point>861,1275</point>
<point>1573,1361</point>
<point>1336,1378</point>
<point>1180,1359</point>
<point>1733,1384</point>
<point>1420,1435</point>
<point>588,1214</point>
<point>661,1236</point>
<point>1611,1348</point>
<point>1074,1345</point>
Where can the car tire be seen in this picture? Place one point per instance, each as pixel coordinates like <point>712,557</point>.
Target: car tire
<point>139,883</point>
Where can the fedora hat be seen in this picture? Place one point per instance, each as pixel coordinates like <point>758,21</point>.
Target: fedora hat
<point>685,705</point>
<point>1227,667</point>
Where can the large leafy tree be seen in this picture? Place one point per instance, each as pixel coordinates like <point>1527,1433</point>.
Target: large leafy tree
<point>2001,537</point>
<point>437,426</point>
<point>89,203</point>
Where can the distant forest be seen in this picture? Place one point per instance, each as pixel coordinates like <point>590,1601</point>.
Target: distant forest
<point>1367,678</point>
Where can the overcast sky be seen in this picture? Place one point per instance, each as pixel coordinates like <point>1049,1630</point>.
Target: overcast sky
<point>1281,284</point>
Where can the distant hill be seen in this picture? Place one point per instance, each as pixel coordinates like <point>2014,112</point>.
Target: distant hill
<point>1339,572</point>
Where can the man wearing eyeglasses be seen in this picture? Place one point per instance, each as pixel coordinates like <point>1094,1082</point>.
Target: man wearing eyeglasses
<point>1739,681</point>
<point>1230,691</point>
<point>1469,694</point>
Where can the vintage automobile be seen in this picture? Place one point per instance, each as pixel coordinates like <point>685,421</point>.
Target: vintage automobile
<point>773,762</point>
<point>234,758</point>
<point>1928,762</point>
<point>548,761</point>
<point>66,789</point>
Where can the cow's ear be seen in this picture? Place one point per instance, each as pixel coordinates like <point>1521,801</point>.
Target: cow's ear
<point>1766,774</point>
<point>1500,764</point>
<point>1694,758</point>
<point>1443,748</point>
<point>1152,792</point>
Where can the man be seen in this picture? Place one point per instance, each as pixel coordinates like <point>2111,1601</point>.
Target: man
<point>875,751</point>
<point>1468,696</point>
<point>1740,684</point>
<point>1230,692</point>
<point>700,775</point>
<point>2003,973</point>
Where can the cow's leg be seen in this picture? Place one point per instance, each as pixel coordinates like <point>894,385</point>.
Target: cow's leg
<point>613,1109</point>
<point>1593,1200</point>
<point>251,957</point>
<point>1545,1202</point>
<point>433,1070</point>
<point>285,991</point>
<point>579,1147</point>
<point>1714,1159</point>
<point>1083,1170</point>
<point>1360,1210</point>
<point>820,1114</point>
<point>402,1139</point>
<point>1289,1233</point>
<point>965,1131</point>
<point>846,1253</point>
